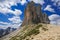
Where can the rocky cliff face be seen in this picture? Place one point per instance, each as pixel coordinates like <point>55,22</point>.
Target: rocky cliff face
<point>34,15</point>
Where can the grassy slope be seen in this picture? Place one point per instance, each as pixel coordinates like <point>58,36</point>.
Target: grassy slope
<point>39,32</point>
<point>29,31</point>
<point>36,32</point>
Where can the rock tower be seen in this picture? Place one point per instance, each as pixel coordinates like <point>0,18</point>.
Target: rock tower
<point>34,15</point>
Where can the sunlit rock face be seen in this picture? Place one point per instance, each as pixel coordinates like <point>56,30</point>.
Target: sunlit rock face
<point>34,15</point>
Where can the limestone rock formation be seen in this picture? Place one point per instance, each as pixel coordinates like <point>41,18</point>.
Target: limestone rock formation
<point>34,15</point>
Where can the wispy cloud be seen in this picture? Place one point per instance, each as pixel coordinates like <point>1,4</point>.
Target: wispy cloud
<point>9,3</point>
<point>6,10</point>
<point>56,2</point>
<point>5,25</point>
<point>15,19</point>
<point>48,8</point>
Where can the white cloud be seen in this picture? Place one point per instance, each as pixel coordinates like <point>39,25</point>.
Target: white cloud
<point>17,12</point>
<point>10,25</point>
<point>9,3</point>
<point>3,22</point>
<point>56,2</point>
<point>5,6</point>
<point>55,19</point>
<point>38,1</point>
<point>4,25</point>
<point>6,10</point>
<point>23,2</point>
<point>15,23</point>
<point>48,8</point>
<point>15,19</point>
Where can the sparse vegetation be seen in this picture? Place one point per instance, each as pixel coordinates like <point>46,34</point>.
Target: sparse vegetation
<point>37,32</point>
<point>38,26</point>
<point>45,29</point>
<point>14,38</point>
<point>27,39</point>
<point>33,31</point>
<point>32,38</point>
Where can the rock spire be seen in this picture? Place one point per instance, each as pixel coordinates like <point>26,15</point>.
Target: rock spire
<point>34,15</point>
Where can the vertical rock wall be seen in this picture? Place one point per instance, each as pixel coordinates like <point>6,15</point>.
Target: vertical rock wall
<point>34,15</point>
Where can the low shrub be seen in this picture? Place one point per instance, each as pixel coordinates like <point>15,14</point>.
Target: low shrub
<point>45,29</point>
<point>38,26</point>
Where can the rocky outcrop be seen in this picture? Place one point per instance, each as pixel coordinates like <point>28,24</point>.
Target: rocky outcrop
<point>34,15</point>
<point>45,19</point>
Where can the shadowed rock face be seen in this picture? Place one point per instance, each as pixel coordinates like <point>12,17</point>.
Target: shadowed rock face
<point>45,19</point>
<point>33,15</point>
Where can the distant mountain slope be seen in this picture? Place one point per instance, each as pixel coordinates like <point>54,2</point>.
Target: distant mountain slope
<point>35,32</point>
<point>7,37</point>
<point>6,31</point>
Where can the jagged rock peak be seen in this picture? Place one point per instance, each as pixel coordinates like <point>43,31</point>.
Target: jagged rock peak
<point>34,15</point>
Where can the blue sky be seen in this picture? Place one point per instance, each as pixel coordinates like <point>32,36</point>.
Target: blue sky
<point>12,11</point>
